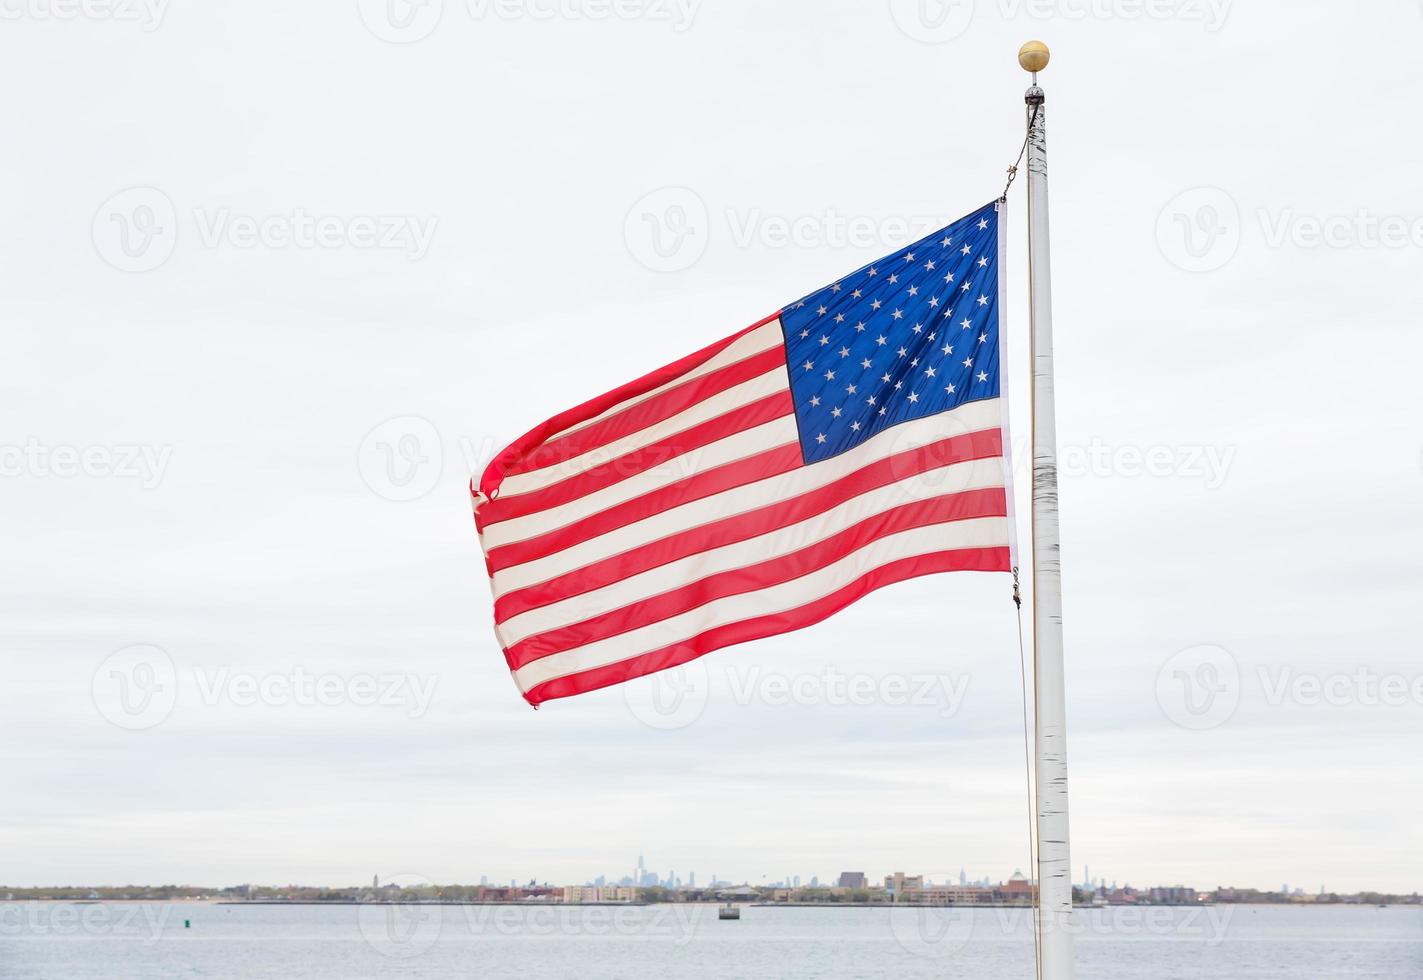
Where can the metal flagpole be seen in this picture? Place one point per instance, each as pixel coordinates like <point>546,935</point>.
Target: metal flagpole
<point>1050,748</point>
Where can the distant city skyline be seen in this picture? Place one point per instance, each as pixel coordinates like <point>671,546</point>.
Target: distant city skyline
<point>644,877</point>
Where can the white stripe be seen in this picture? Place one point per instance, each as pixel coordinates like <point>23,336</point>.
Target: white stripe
<point>742,445</point>
<point>987,532</point>
<point>764,337</point>
<point>761,386</point>
<point>954,478</point>
<point>972,417</point>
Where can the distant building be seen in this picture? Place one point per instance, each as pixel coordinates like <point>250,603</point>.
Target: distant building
<point>1172,896</point>
<point>598,894</point>
<point>949,895</point>
<point>899,882</point>
<point>852,879</point>
<point>1016,887</point>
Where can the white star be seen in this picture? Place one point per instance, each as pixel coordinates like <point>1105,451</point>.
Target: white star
<point>913,397</point>
<point>929,372</point>
<point>968,362</point>
<point>822,311</point>
<point>947,241</point>
<point>929,265</point>
<point>893,280</point>
<point>918,328</point>
<point>885,377</point>
<point>856,294</point>
<point>829,375</point>
<point>880,340</point>
<point>814,401</point>
<point>909,257</point>
<point>982,376</point>
<point>914,363</point>
<point>881,411</point>
<point>934,301</point>
<point>874,271</point>
<point>851,390</point>
<point>902,352</point>
<point>965,250</point>
<point>947,349</point>
<point>871,399</point>
<point>865,364</point>
<point>964,287</point>
<point>839,318</point>
<point>824,340</point>
<point>983,301</point>
<point>860,326</point>
<point>950,390</point>
<point>949,277</point>
<point>835,288</point>
<point>844,352</point>
<point>855,426</point>
<point>898,385</point>
<point>983,263</point>
<point>835,412</point>
<point>808,365</point>
<point>913,290</point>
<point>982,338</point>
<point>899,314</point>
<point>820,438</point>
<point>876,305</point>
<point>982,224</point>
<point>965,323</point>
<point>804,334</point>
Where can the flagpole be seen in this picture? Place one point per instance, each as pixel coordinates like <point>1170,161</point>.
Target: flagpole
<point>1050,749</point>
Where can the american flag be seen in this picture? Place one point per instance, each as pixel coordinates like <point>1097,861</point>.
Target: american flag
<point>852,440</point>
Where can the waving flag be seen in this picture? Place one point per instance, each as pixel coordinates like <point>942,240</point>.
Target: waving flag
<point>852,440</point>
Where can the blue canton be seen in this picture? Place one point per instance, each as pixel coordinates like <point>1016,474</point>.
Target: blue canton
<point>914,334</point>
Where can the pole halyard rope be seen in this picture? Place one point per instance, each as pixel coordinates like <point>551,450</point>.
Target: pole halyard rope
<point>1013,170</point>
<point>1028,771</point>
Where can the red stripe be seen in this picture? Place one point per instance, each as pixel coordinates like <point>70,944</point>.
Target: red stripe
<point>591,409</point>
<point>991,502</point>
<point>613,471</point>
<point>962,448</point>
<point>656,409</point>
<point>729,476</point>
<point>973,559</point>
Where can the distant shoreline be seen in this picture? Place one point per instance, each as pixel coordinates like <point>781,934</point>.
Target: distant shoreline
<point>709,904</point>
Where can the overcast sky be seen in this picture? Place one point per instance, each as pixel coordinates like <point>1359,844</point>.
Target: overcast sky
<point>278,277</point>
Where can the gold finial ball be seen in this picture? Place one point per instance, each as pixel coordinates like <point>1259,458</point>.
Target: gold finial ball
<point>1033,56</point>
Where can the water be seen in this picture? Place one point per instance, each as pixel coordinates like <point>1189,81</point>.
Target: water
<point>125,941</point>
